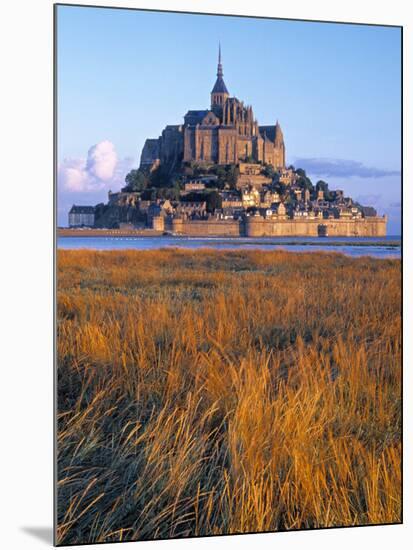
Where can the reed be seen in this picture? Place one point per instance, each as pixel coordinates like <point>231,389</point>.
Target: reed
<point>208,392</point>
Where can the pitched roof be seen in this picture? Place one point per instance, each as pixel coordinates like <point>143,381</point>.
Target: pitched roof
<point>82,210</point>
<point>369,211</point>
<point>201,112</point>
<point>219,86</point>
<point>195,117</point>
<point>267,131</point>
<point>272,132</point>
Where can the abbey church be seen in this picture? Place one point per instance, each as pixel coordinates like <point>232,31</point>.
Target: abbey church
<point>211,176</point>
<point>226,133</point>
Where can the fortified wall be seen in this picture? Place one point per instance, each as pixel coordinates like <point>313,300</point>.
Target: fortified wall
<point>362,227</point>
<point>209,228</point>
<point>260,227</point>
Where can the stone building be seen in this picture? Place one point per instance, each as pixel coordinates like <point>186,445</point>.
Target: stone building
<point>269,197</point>
<point>157,209</point>
<point>82,216</point>
<point>194,185</point>
<point>250,197</point>
<point>287,176</point>
<point>225,133</point>
<point>193,208</point>
<point>250,174</point>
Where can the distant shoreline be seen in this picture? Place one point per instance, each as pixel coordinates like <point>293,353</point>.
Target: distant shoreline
<point>150,233</point>
<point>66,232</point>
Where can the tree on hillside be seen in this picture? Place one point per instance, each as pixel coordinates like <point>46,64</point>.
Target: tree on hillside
<point>323,186</point>
<point>303,180</point>
<point>281,188</point>
<point>222,177</point>
<point>172,193</point>
<point>160,177</point>
<point>276,178</point>
<point>305,183</point>
<point>268,171</point>
<point>175,189</point>
<point>214,201</point>
<point>187,169</point>
<point>136,181</point>
<point>232,176</point>
<point>196,169</point>
<point>194,196</point>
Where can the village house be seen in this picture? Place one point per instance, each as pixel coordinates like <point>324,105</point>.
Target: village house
<point>287,176</point>
<point>160,208</point>
<point>193,185</point>
<point>231,199</point>
<point>82,216</point>
<point>195,209</point>
<point>269,197</point>
<point>279,210</point>
<point>250,197</point>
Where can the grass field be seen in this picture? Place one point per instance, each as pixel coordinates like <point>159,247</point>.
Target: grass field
<point>209,392</point>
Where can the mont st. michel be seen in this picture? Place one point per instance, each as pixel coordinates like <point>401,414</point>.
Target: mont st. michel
<point>220,173</point>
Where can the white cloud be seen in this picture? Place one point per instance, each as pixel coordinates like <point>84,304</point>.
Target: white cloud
<point>72,175</point>
<point>101,170</point>
<point>102,160</point>
<point>74,179</point>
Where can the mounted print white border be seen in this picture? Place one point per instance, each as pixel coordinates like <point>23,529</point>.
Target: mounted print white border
<point>26,279</point>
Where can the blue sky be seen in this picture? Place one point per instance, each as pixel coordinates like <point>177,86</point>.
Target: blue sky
<point>124,74</point>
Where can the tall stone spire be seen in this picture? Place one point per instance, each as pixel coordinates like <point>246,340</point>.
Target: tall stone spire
<point>219,92</point>
<point>219,86</point>
<point>220,72</point>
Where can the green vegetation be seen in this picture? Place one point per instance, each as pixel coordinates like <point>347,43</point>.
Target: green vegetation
<point>164,183</point>
<point>211,197</point>
<point>304,181</point>
<point>227,175</point>
<point>323,186</point>
<point>281,188</point>
<point>136,180</point>
<point>158,184</point>
<point>214,201</point>
<point>268,171</point>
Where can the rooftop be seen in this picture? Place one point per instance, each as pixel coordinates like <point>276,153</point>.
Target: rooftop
<point>82,209</point>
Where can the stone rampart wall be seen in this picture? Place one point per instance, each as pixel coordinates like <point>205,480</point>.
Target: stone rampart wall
<point>212,228</point>
<point>364,227</point>
<point>260,227</point>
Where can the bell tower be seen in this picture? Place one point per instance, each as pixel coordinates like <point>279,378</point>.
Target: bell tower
<point>219,92</point>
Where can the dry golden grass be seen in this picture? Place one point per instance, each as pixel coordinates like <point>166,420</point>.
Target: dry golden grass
<point>205,392</point>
